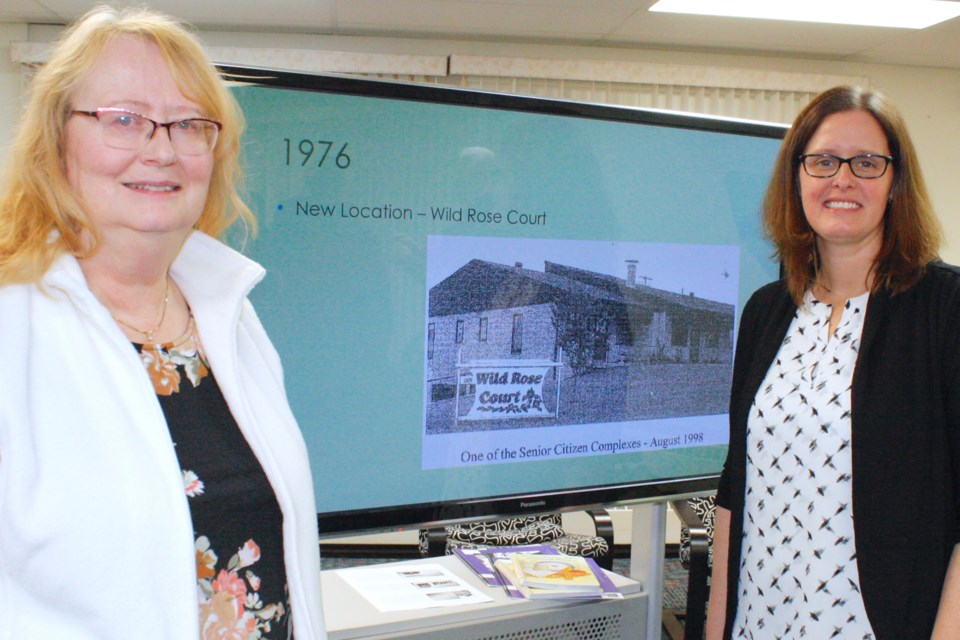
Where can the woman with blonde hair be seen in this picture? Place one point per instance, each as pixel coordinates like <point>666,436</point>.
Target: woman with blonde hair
<point>153,480</point>
<point>839,504</point>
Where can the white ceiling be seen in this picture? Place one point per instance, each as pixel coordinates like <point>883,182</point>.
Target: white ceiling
<point>615,23</point>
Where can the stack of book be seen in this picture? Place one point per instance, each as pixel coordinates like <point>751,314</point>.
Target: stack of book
<point>539,571</point>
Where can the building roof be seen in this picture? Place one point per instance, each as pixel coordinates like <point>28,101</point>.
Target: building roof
<point>480,285</point>
<point>638,293</point>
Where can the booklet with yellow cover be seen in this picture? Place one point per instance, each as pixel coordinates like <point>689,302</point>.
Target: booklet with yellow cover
<point>558,576</point>
<point>481,559</point>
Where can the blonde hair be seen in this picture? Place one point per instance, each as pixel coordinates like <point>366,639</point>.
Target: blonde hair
<point>40,215</point>
<point>911,231</point>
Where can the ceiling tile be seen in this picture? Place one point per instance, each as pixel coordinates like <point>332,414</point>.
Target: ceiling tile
<point>466,17</point>
<point>738,34</point>
<point>276,14</point>
<point>623,23</point>
<point>936,46</point>
<point>26,11</point>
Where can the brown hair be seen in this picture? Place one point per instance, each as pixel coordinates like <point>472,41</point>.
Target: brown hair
<point>40,216</point>
<point>911,231</point>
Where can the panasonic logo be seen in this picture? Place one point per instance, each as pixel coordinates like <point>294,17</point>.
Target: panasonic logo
<point>539,503</point>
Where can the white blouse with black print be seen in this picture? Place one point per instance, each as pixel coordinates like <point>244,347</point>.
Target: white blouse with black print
<point>798,573</point>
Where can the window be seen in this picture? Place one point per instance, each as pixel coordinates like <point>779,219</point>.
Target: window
<point>711,339</point>
<point>431,336</point>
<point>459,331</point>
<point>482,336</point>
<point>679,333</point>
<point>516,343</point>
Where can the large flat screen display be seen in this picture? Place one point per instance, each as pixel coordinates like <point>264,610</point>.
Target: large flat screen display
<point>491,304</point>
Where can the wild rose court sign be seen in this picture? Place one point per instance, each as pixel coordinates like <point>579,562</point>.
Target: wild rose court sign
<point>507,389</point>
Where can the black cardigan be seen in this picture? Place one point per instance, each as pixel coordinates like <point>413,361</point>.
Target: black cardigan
<point>906,443</point>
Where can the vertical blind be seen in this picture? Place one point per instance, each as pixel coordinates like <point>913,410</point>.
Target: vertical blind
<point>766,105</point>
<point>750,94</point>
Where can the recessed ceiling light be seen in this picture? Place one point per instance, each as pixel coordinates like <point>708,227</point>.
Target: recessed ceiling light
<point>905,14</point>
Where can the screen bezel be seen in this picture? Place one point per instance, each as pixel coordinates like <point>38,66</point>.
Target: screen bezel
<point>407,516</point>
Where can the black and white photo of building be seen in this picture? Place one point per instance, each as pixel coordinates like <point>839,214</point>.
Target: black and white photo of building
<point>627,349</point>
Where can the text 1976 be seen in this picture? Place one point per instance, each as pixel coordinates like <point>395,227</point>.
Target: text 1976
<point>315,153</point>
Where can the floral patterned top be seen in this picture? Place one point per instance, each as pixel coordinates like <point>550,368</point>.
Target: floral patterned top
<point>237,523</point>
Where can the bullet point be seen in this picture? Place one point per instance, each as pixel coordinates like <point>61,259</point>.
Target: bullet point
<point>279,207</point>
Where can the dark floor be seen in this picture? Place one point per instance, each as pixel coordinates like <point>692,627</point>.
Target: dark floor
<point>674,576</point>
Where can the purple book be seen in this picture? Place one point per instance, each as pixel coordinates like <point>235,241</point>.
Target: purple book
<point>608,590</point>
<point>481,560</point>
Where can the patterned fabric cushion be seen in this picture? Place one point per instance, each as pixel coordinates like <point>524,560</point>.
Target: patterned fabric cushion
<point>706,509</point>
<point>526,530</point>
<point>576,544</point>
<point>515,531</point>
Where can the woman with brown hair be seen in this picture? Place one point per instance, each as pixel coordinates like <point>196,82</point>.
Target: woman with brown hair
<point>838,504</point>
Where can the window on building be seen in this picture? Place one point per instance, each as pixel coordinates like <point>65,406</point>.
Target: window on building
<point>516,343</point>
<point>679,333</point>
<point>482,336</point>
<point>711,339</point>
<point>459,331</point>
<point>431,336</point>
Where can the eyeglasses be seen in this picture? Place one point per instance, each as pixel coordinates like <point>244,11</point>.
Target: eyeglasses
<point>122,129</point>
<point>824,165</point>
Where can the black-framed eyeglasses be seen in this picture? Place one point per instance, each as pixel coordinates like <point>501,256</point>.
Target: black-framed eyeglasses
<point>124,129</point>
<point>825,165</point>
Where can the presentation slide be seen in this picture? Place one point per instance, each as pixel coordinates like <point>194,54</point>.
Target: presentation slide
<point>473,302</point>
<point>637,367</point>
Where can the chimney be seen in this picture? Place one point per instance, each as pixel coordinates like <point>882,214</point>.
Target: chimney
<point>632,272</point>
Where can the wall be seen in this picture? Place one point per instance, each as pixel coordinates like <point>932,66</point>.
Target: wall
<point>10,92</point>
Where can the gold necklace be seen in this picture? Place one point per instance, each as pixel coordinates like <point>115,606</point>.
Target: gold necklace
<point>163,314</point>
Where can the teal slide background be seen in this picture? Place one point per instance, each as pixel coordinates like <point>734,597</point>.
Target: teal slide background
<point>344,298</point>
